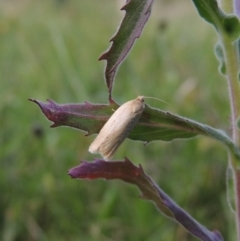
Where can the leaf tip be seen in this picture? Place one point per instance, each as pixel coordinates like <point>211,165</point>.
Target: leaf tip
<point>54,125</point>
<point>104,56</point>
<point>88,133</point>
<point>49,110</point>
<point>72,172</point>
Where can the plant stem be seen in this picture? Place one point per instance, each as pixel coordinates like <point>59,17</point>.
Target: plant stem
<point>231,61</point>
<point>237,193</point>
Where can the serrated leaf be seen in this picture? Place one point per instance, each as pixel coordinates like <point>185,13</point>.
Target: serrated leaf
<point>209,10</point>
<point>153,125</point>
<point>85,116</point>
<point>132,174</point>
<point>137,14</point>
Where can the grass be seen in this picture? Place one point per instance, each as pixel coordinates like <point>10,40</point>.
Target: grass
<point>49,49</point>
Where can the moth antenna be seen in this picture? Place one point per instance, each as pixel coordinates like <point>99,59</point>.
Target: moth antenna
<point>149,97</point>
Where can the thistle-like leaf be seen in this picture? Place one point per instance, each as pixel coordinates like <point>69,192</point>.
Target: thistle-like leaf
<point>85,116</point>
<point>132,174</point>
<point>137,14</point>
<point>153,125</point>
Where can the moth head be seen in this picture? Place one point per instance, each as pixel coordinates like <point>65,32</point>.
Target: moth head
<point>140,98</point>
<point>138,105</point>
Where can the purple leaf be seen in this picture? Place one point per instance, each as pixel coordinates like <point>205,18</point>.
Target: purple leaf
<point>154,124</point>
<point>137,14</point>
<point>130,173</point>
<point>86,116</point>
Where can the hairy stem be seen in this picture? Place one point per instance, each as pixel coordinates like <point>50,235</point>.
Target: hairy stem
<point>237,193</point>
<point>231,60</point>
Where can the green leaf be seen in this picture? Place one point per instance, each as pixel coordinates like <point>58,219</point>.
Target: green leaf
<point>153,125</point>
<point>137,14</point>
<point>209,10</point>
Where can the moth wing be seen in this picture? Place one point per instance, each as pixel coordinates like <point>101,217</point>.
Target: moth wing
<point>108,137</point>
<point>99,140</point>
<point>116,129</point>
<point>113,125</point>
<point>110,143</point>
<point>108,148</point>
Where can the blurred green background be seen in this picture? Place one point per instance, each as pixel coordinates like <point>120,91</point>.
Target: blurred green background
<point>49,49</point>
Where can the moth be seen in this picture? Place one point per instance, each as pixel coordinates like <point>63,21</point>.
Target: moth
<point>117,128</point>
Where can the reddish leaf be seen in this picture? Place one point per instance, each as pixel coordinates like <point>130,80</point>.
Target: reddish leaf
<point>130,173</point>
<point>154,124</point>
<point>86,116</point>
